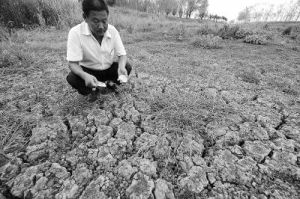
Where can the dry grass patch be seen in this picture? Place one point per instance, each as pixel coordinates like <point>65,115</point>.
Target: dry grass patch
<point>208,42</point>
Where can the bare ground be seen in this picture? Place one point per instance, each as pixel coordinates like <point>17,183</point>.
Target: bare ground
<point>192,123</point>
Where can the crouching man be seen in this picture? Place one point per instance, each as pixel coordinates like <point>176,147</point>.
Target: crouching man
<point>91,49</point>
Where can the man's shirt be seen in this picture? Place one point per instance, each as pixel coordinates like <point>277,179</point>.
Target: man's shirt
<point>82,47</point>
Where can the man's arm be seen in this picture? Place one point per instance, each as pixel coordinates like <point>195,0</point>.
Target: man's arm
<point>122,63</point>
<point>90,80</point>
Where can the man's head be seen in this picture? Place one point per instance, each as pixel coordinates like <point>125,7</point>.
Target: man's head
<point>95,13</point>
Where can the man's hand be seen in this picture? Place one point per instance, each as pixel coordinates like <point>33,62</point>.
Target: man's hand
<point>90,80</point>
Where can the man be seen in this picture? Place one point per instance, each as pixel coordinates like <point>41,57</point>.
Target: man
<point>92,46</point>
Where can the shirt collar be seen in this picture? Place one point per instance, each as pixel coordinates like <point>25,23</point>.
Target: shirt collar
<point>85,30</point>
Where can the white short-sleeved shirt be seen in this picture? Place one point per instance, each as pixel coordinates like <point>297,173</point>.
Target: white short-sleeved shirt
<point>82,47</point>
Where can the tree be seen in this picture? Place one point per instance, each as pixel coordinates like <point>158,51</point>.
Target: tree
<point>203,9</point>
<point>245,15</point>
<point>191,6</point>
<point>224,18</point>
<point>180,12</point>
<point>167,5</point>
<point>298,6</point>
<point>174,11</point>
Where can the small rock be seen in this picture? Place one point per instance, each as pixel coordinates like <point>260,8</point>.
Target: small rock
<point>216,133</point>
<point>107,161</point>
<point>70,191</point>
<point>146,141</point>
<point>115,123</point>
<point>162,148</point>
<point>10,170</point>
<point>77,124</point>
<point>284,144</point>
<point>117,147</point>
<point>141,187</point>
<point>82,175</point>
<point>285,157</point>
<point>126,131</point>
<point>126,170</point>
<point>148,167</point>
<point>99,117</point>
<point>189,147</point>
<point>257,150</point>
<point>41,184</point>
<point>186,164</point>
<point>211,178</point>
<point>58,171</point>
<point>196,180</point>
<point>142,106</point>
<point>36,152</point>
<point>119,113</point>
<point>94,189</point>
<point>72,157</point>
<point>163,190</point>
<point>102,135</point>
<point>40,134</point>
<point>24,182</point>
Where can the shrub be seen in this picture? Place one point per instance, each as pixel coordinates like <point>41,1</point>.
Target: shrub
<point>227,31</point>
<point>287,31</point>
<point>242,33</point>
<point>255,39</point>
<point>42,12</point>
<point>208,41</point>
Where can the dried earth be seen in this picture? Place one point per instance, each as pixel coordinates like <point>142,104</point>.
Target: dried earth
<point>211,131</point>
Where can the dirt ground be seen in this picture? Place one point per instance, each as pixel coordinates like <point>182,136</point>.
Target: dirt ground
<point>191,123</point>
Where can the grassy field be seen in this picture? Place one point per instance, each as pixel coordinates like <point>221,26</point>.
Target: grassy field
<point>211,117</point>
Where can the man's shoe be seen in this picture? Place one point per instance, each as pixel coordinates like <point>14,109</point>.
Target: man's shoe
<point>111,85</point>
<point>93,96</point>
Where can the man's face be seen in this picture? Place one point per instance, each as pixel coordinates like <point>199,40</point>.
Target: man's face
<point>97,21</point>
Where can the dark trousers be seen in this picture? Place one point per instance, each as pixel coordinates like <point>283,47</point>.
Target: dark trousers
<point>110,74</point>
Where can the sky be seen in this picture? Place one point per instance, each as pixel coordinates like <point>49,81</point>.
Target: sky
<point>231,8</point>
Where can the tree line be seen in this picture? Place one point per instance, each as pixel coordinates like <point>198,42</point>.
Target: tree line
<point>283,12</point>
<point>179,8</point>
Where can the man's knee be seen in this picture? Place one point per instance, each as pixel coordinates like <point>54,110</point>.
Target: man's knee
<point>71,79</point>
<point>78,84</point>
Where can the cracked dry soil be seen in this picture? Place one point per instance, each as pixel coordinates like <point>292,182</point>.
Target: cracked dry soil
<point>118,149</point>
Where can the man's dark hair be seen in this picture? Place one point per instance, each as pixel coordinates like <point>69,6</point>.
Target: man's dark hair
<point>96,5</point>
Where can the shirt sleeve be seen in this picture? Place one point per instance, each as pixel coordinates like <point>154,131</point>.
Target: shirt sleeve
<point>118,44</point>
<point>74,50</point>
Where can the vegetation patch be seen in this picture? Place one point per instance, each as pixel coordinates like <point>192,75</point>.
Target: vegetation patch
<point>208,42</point>
<point>256,39</point>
